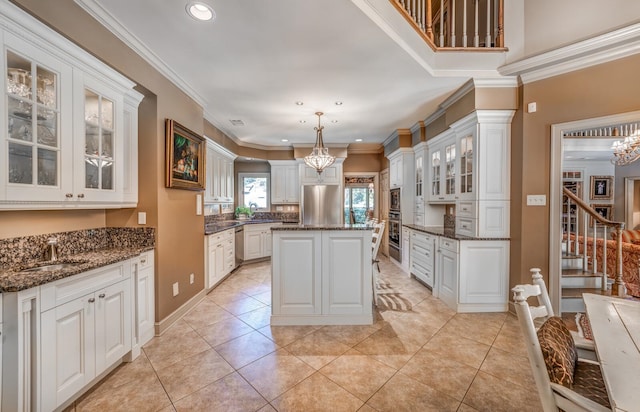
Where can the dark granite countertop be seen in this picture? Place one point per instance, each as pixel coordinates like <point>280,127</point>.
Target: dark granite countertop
<point>13,280</point>
<point>212,228</point>
<point>323,227</point>
<point>439,231</point>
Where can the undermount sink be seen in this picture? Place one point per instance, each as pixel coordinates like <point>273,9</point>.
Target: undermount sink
<point>52,266</point>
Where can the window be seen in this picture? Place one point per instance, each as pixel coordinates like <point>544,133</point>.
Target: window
<point>253,191</point>
<point>358,202</point>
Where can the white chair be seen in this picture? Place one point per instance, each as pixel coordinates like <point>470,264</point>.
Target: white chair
<point>376,239</point>
<point>583,388</point>
<point>586,347</point>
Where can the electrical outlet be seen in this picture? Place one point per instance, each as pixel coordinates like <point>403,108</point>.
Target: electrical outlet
<point>192,278</point>
<point>175,289</point>
<point>536,200</point>
<point>142,218</point>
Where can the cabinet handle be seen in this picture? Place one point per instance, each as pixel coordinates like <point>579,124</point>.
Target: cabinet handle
<point>143,261</point>
<point>80,195</point>
<point>68,195</point>
<point>102,295</point>
<point>91,300</point>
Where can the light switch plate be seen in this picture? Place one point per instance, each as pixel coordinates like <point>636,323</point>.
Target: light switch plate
<point>142,218</point>
<point>536,200</point>
<point>175,289</point>
<point>198,204</point>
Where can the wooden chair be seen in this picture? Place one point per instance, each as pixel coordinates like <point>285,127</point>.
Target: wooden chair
<point>563,380</point>
<point>376,240</point>
<point>586,347</point>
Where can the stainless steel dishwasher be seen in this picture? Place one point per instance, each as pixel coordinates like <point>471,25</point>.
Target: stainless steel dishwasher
<point>239,245</point>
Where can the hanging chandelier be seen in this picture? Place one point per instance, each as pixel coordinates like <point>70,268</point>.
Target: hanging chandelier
<point>319,158</point>
<point>626,151</point>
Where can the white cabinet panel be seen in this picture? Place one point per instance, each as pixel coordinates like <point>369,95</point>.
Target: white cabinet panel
<point>285,182</point>
<point>447,276</point>
<point>343,276</point>
<point>297,260</point>
<point>332,175</point>
<point>220,256</point>
<point>113,324</point>
<point>483,273</point>
<point>145,299</point>
<point>219,174</point>
<point>258,240</point>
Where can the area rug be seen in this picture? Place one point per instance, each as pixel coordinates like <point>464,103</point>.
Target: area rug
<point>583,325</point>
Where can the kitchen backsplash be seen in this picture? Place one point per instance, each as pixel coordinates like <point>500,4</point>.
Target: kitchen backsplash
<point>284,216</point>
<point>24,249</point>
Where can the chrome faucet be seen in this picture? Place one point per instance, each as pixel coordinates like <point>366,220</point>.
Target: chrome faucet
<point>253,207</point>
<point>52,249</point>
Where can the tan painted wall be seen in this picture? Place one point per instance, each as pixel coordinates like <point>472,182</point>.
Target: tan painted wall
<point>497,98</point>
<point>180,245</point>
<point>26,223</point>
<point>598,91</point>
<point>362,162</point>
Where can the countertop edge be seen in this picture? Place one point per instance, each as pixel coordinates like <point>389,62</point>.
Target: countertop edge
<point>439,231</point>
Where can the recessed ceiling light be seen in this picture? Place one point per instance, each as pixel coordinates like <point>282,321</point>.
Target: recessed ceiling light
<point>303,121</point>
<point>200,11</point>
<point>334,121</point>
<point>338,103</point>
<point>284,140</point>
<point>358,140</point>
<point>299,103</point>
<point>236,122</point>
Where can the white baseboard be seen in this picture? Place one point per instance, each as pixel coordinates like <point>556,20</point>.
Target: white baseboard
<point>164,324</point>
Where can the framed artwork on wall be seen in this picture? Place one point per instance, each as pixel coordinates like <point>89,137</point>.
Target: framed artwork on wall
<point>185,157</point>
<point>603,210</point>
<point>601,187</point>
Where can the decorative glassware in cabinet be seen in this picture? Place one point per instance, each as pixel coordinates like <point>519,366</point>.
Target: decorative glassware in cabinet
<point>466,164</point>
<point>99,142</point>
<point>435,173</point>
<point>450,164</point>
<point>26,114</point>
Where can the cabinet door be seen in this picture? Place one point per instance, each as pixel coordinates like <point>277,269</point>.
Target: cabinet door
<point>278,184</point>
<point>229,179</point>
<point>145,306</point>
<point>297,288</point>
<point>219,263</point>
<point>252,244</point>
<point>98,163</point>
<point>467,167</point>
<point>37,138</point>
<point>346,280</point>
<point>209,190</point>
<point>448,277</point>
<point>419,177</point>
<point>267,243</point>
<point>449,170</point>
<point>113,324</point>
<point>68,357</point>
<point>292,183</point>
<point>435,174</point>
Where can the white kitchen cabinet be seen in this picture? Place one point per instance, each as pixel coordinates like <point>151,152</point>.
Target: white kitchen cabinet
<point>143,277</point>
<point>322,277</point>
<point>87,321</point>
<point>422,257</point>
<point>406,249</point>
<point>1,339</point>
<point>219,174</point>
<point>332,175</point>
<point>469,165</point>
<point>20,350</point>
<point>220,256</point>
<point>285,182</point>
<point>71,135</point>
<point>257,240</point>
<point>447,271</point>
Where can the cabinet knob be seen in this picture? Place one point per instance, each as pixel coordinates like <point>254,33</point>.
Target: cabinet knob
<point>68,195</point>
<point>80,195</point>
<point>91,300</point>
<point>143,260</point>
<point>102,295</point>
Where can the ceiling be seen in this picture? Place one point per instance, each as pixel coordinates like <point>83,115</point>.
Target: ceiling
<point>258,58</point>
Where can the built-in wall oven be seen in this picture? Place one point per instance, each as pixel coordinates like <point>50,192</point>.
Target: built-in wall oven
<point>395,235</point>
<point>394,200</point>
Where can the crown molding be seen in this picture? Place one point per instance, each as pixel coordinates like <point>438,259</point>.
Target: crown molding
<point>365,148</point>
<point>114,26</point>
<point>605,48</point>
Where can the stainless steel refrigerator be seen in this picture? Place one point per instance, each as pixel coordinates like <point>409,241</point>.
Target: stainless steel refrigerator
<point>321,205</point>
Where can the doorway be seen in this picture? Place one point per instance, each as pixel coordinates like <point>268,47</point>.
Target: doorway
<point>632,202</point>
<point>360,197</point>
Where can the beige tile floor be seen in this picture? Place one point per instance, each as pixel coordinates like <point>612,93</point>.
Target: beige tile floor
<point>418,356</point>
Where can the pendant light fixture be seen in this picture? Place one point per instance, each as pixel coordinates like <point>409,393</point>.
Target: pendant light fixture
<point>319,158</point>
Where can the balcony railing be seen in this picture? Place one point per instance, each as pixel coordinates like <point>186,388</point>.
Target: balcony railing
<point>474,25</point>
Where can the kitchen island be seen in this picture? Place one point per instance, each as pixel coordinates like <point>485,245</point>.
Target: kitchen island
<point>321,275</point>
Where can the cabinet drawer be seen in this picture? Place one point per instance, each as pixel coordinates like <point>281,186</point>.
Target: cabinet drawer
<point>215,238</point>
<point>449,244</point>
<point>423,273</point>
<point>466,209</point>
<point>423,239</point>
<point>422,253</point>
<point>466,226</point>
<point>64,290</point>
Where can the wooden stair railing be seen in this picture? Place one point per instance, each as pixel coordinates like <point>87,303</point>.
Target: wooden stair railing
<point>585,211</point>
<point>441,22</point>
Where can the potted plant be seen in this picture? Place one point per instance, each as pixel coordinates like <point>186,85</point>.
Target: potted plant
<point>243,213</point>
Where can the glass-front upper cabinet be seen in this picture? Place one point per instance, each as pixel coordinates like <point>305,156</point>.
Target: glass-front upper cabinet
<point>99,141</point>
<point>466,166</point>
<point>32,123</point>
<point>435,174</point>
<point>450,169</point>
<point>419,176</point>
